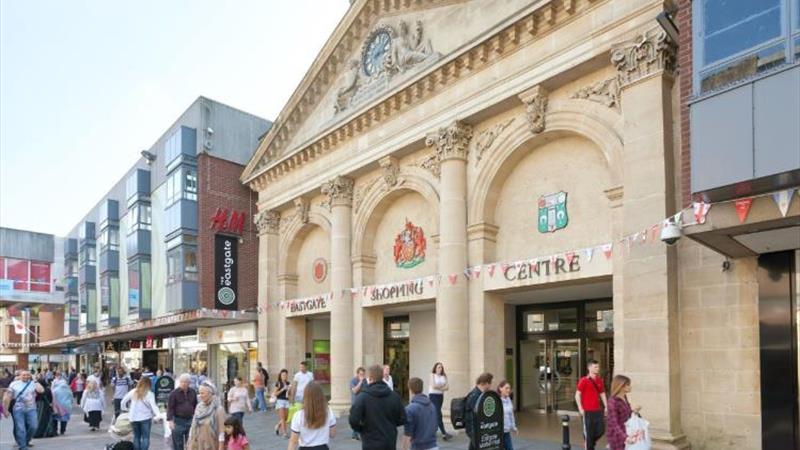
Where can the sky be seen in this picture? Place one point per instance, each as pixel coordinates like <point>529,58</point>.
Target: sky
<point>85,85</point>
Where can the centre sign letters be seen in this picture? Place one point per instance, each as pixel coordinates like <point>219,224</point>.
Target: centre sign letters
<point>543,268</point>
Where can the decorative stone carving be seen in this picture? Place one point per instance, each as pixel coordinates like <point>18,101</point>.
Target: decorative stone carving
<point>388,51</point>
<point>646,54</point>
<point>391,171</point>
<point>431,164</point>
<point>535,100</point>
<point>486,138</point>
<point>605,92</point>
<point>302,208</point>
<point>451,141</point>
<point>339,191</point>
<point>267,221</point>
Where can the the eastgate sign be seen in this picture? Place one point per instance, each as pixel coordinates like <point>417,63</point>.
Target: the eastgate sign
<point>310,305</point>
<point>225,259</point>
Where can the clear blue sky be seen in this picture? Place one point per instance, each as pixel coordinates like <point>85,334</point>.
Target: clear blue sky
<point>85,85</point>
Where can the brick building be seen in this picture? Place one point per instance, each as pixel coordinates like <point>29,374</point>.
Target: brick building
<point>162,270</point>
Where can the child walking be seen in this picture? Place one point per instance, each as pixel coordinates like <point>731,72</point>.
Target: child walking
<point>235,437</point>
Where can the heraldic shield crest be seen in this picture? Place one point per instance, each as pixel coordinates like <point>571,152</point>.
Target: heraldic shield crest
<point>553,212</point>
<point>409,246</point>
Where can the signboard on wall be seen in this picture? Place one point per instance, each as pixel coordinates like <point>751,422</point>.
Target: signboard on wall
<point>225,263</point>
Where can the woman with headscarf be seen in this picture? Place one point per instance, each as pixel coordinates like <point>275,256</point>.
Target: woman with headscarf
<point>93,404</point>
<point>207,432</point>
<point>62,404</point>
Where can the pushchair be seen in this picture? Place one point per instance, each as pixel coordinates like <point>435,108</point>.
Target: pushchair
<point>122,431</point>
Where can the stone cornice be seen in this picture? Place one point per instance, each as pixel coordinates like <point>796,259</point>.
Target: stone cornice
<point>511,35</point>
<point>646,54</point>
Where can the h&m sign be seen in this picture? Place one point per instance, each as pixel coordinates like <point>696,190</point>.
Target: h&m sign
<point>228,221</point>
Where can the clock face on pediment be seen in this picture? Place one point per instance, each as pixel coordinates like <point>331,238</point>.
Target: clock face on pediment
<point>375,52</point>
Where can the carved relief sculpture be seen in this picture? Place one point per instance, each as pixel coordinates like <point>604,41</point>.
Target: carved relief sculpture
<point>451,141</point>
<point>605,92</point>
<point>648,53</point>
<point>486,138</point>
<point>339,191</point>
<point>302,208</point>
<point>391,171</point>
<point>535,101</point>
<point>267,221</point>
<point>348,88</point>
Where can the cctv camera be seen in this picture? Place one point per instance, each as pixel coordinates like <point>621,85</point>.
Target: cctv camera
<point>671,232</point>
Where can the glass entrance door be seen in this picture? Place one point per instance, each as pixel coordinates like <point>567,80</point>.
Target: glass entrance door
<point>550,369</point>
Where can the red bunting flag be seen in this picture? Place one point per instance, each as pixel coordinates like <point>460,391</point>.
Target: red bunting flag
<point>453,277</point>
<point>490,269</point>
<point>700,210</point>
<point>569,256</point>
<point>743,207</point>
<point>607,249</point>
<point>477,271</point>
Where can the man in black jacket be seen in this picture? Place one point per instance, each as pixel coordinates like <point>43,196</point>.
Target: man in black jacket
<point>376,413</point>
<point>482,384</point>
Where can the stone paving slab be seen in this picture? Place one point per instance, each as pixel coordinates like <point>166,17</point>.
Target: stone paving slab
<point>259,428</point>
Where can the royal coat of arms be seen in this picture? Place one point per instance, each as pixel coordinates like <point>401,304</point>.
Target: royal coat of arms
<point>553,212</point>
<point>409,246</point>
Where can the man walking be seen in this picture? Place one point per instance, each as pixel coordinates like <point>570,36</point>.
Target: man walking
<point>301,380</point>
<point>122,384</point>
<point>376,413</point>
<point>23,392</point>
<point>180,411</point>
<point>588,395</point>
<point>356,384</point>
<point>482,384</point>
<point>260,382</point>
<point>419,432</point>
<point>387,377</point>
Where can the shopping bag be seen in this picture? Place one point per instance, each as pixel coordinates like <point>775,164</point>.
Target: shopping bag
<point>293,409</point>
<point>638,431</point>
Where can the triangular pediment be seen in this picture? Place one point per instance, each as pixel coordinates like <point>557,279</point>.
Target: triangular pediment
<point>377,46</point>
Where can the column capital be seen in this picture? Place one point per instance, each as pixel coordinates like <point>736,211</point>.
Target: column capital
<point>267,221</point>
<point>451,142</point>
<point>535,100</point>
<point>648,53</point>
<point>339,191</point>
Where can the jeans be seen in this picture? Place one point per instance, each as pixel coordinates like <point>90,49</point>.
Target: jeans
<point>261,402</point>
<point>117,407</point>
<point>437,400</point>
<point>507,441</point>
<point>181,432</point>
<point>239,415</point>
<point>141,434</point>
<point>25,424</point>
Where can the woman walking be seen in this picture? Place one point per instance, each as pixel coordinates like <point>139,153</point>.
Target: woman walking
<point>93,404</point>
<point>314,425</point>
<point>619,411</point>
<point>78,385</point>
<point>208,422</point>
<point>280,393</point>
<point>141,406</point>
<point>509,421</point>
<point>436,388</point>
<point>238,399</point>
<point>62,404</point>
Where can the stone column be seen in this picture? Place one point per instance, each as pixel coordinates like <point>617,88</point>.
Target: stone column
<point>651,355</point>
<point>367,322</point>
<point>340,199</point>
<point>452,305</point>
<point>268,223</point>
<point>291,330</point>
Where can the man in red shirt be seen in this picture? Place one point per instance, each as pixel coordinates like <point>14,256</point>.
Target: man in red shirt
<point>588,395</point>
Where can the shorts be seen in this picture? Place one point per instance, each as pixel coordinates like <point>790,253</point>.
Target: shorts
<point>281,404</point>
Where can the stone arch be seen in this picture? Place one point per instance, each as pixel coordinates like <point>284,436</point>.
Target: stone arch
<point>295,233</point>
<point>600,125</point>
<point>378,199</point>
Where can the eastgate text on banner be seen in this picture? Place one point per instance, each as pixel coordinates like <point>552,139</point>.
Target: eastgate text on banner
<point>308,305</point>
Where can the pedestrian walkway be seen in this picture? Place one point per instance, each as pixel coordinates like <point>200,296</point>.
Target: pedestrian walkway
<point>259,428</point>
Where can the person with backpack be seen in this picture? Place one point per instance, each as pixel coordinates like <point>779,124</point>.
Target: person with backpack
<point>588,395</point>
<point>377,412</point>
<point>482,384</point>
<point>22,393</point>
<point>122,384</point>
<point>419,432</point>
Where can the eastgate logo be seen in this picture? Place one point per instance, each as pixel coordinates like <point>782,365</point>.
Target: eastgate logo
<point>308,305</point>
<point>226,294</point>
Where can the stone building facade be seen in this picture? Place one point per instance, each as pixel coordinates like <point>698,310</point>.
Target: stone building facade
<point>483,183</point>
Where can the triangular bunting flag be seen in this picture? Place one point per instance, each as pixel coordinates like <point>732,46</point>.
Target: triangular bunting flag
<point>490,269</point>
<point>477,271</point>
<point>700,210</point>
<point>569,256</point>
<point>783,199</point>
<point>589,252</point>
<point>607,250</point>
<point>743,207</point>
<point>452,278</point>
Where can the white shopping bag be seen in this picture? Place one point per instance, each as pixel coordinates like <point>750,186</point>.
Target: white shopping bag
<point>167,433</point>
<point>637,430</point>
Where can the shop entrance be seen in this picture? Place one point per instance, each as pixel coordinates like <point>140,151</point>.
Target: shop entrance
<point>555,342</point>
<point>156,359</point>
<point>396,351</point>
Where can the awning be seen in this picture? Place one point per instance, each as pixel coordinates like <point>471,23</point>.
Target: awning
<point>179,323</point>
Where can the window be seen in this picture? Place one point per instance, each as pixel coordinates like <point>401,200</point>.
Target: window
<point>174,187</point>
<point>109,239</point>
<point>182,183</point>
<point>40,276</point>
<point>182,264</point>
<point>133,287</point>
<point>141,217</point>
<point>172,148</point>
<point>105,294</point>
<point>17,270</point>
<point>87,256</point>
<point>737,39</point>
<point>71,268</point>
<point>191,185</point>
<point>2,268</point>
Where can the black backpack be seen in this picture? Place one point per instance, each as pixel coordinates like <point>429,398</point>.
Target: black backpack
<point>458,410</point>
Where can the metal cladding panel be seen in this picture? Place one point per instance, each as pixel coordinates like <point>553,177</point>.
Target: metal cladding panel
<point>71,248</point>
<point>722,139</point>
<point>109,261</point>
<point>137,243</point>
<point>26,245</point>
<point>776,120</point>
<point>88,274</point>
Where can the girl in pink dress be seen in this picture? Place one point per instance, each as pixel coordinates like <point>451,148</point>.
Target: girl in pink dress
<point>235,439</point>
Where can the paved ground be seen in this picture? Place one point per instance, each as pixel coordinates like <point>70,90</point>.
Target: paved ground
<point>259,428</point>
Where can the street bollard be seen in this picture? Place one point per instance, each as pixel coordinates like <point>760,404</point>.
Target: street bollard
<point>565,433</point>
